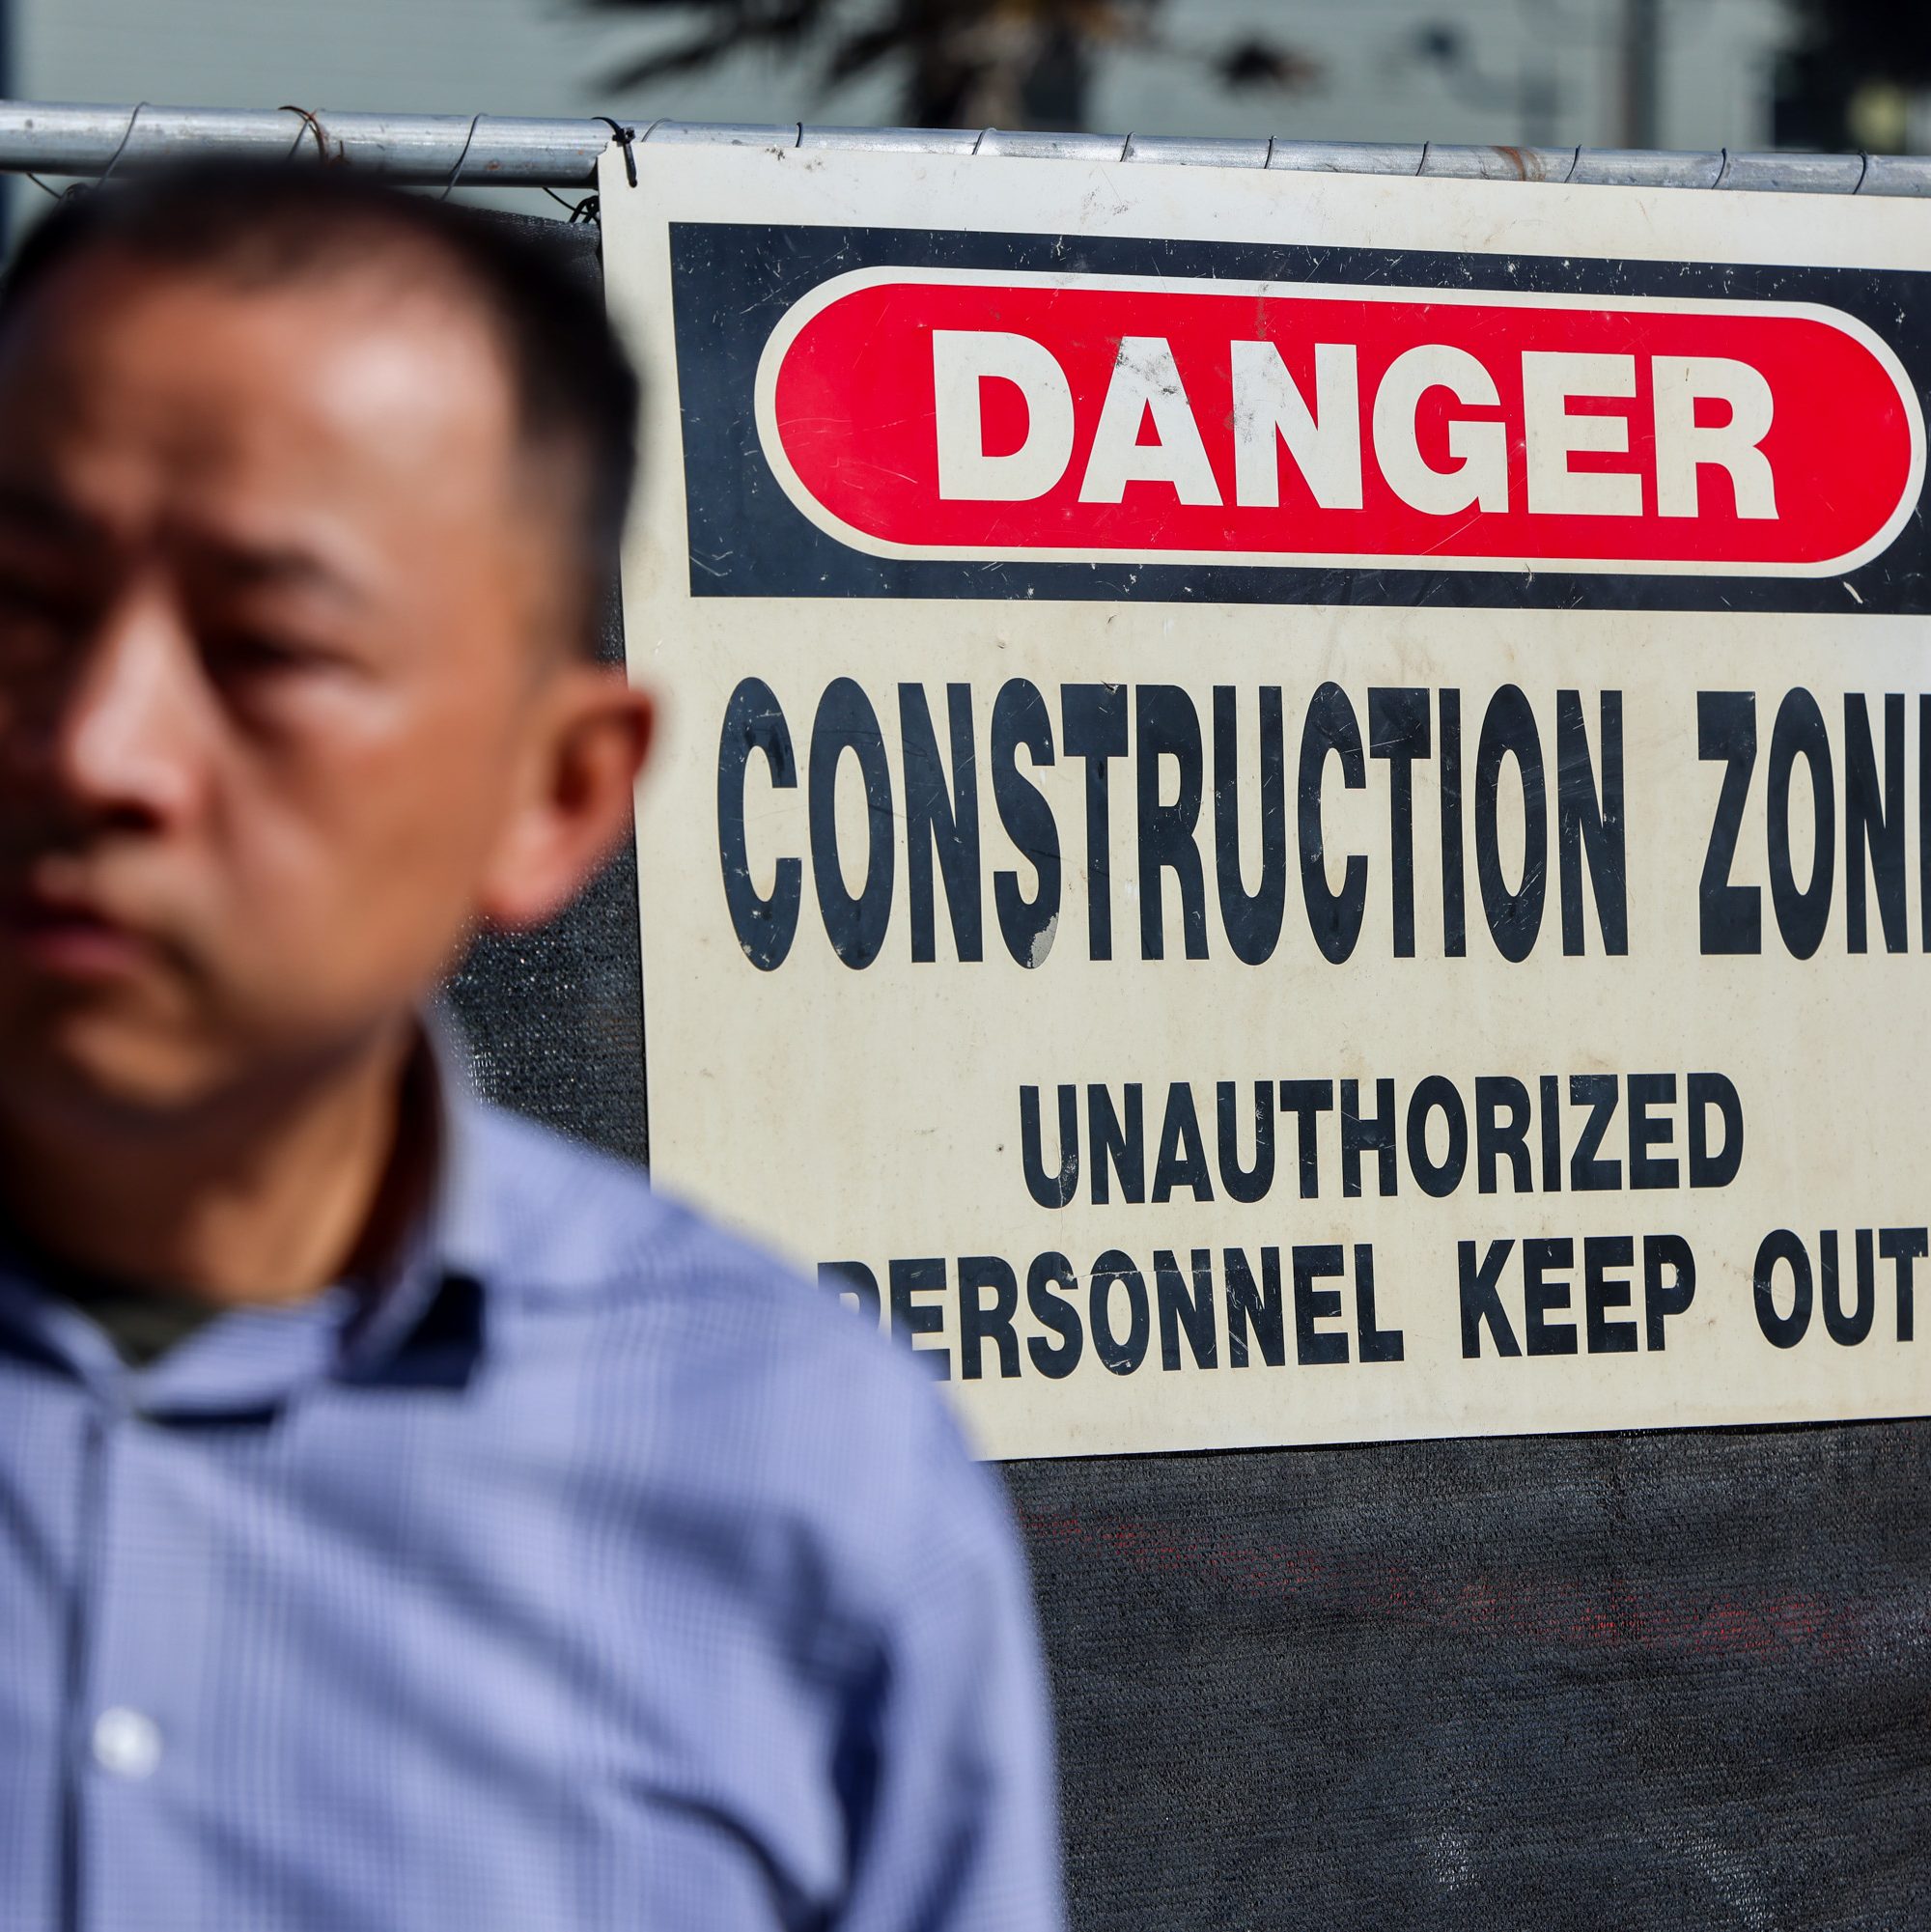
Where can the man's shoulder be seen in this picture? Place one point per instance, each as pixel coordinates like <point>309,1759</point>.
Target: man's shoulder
<point>568,1223</point>
<point>741,1386</point>
<point>581,1235</point>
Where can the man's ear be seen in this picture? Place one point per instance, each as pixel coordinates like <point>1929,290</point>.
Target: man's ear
<point>585,757</point>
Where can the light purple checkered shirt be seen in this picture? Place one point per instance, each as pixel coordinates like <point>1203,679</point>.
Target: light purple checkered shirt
<point>607,1576</point>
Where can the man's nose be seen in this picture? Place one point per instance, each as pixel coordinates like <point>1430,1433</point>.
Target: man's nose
<point>130,741</point>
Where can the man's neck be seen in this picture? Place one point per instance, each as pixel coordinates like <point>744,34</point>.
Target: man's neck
<point>263,1198</point>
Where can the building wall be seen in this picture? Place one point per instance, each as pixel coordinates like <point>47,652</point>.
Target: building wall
<point>1521,70</point>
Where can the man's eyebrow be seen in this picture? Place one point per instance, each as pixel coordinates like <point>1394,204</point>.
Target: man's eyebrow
<point>240,561</point>
<point>251,563</point>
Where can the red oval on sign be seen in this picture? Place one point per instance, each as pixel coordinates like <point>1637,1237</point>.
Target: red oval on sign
<point>927,413</point>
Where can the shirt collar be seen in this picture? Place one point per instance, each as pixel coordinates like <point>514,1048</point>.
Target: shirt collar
<point>421,1319</point>
<point>450,1255</point>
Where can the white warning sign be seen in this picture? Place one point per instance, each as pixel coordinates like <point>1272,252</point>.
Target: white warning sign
<point>1294,808</point>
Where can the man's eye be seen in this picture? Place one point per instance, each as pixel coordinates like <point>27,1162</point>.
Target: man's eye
<point>253,653</point>
<point>21,597</point>
<point>36,621</point>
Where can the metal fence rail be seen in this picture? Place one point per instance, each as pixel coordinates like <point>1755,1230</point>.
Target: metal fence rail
<point>508,150</point>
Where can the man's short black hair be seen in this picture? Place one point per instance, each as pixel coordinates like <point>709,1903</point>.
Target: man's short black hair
<point>265,225</point>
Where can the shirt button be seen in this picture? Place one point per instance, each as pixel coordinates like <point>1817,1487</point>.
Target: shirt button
<point>127,1743</point>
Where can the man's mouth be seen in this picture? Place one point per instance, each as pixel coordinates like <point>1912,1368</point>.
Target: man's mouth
<point>68,937</point>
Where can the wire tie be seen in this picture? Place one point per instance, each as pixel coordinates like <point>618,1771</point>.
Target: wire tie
<point>456,173</point>
<point>625,137</point>
<point>113,160</point>
<point>310,125</point>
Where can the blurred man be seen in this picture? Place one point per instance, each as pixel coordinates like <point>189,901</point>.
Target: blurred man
<point>406,1519</point>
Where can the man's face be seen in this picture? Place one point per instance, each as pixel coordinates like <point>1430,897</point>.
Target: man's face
<point>271,677</point>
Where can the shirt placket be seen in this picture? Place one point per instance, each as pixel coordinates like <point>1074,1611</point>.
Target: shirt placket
<point>160,1610</point>
<point>141,1641</point>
